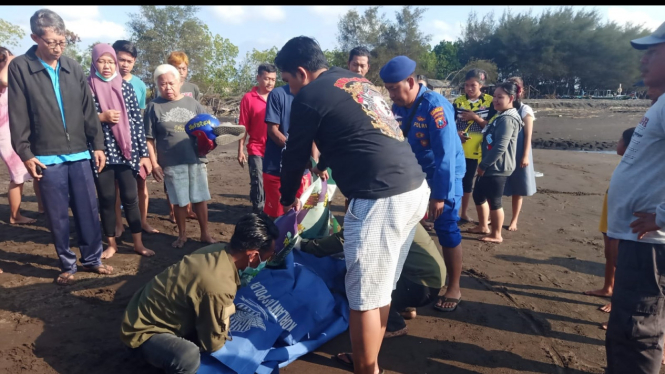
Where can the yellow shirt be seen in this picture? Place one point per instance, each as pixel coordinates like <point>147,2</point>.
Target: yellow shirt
<point>192,298</point>
<point>482,107</point>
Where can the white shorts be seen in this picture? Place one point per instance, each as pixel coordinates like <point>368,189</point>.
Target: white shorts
<point>187,183</point>
<point>377,237</point>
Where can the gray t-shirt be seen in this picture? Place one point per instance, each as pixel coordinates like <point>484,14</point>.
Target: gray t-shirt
<point>191,90</point>
<point>164,122</point>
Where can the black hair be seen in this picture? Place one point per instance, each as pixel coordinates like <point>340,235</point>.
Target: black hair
<point>3,56</point>
<point>628,135</point>
<point>511,89</point>
<point>421,77</point>
<point>479,74</point>
<point>360,52</point>
<point>125,46</point>
<point>267,67</point>
<point>303,52</point>
<point>253,231</point>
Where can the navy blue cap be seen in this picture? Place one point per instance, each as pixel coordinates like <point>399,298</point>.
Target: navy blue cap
<point>397,69</point>
<point>657,37</point>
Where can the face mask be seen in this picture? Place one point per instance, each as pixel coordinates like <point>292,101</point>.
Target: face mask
<point>249,272</point>
<point>106,79</point>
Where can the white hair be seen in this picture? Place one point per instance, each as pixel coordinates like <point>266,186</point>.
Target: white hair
<point>163,69</point>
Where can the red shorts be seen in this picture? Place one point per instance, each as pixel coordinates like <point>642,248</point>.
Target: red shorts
<point>271,185</point>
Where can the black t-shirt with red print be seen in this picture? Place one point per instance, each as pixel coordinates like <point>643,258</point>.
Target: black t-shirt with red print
<point>357,135</point>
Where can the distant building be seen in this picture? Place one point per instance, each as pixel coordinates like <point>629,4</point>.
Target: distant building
<point>445,88</point>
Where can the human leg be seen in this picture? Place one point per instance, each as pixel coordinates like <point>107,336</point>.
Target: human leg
<point>480,199</point>
<point>14,195</point>
<point>177,181</point>
<point>606,291</point>
<point>256,194</point>
<point>119,228</point>
<point>517,208</point>
<point>172,354</point>
<point>634,342</point>
<point>144,200</point>
<point>271,185</point>
<point>494,192</point>
<point>106,192</point>
<point>199,195</point>
<point>38,195</point>
<point>129,196</point>
<point>467,182</point>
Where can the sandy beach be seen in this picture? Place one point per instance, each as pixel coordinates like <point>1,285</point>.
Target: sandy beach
<point>522,310</point>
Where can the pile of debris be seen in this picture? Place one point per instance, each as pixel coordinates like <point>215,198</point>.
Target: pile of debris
<point>226,109</point>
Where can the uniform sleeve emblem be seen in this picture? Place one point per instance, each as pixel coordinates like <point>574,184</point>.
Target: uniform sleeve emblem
<point>420,135</point>
<point>424,142</point>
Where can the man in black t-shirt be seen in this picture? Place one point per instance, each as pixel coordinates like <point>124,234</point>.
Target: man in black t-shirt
<point>361,141</point>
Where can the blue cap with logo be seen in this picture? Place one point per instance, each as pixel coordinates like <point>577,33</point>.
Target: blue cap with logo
<point>657,37</point>
<point>397,69</point>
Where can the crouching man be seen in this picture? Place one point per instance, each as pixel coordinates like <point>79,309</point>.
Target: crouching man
<point>186,309</point>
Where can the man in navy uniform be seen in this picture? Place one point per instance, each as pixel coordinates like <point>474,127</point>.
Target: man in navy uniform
<point>428,122</point>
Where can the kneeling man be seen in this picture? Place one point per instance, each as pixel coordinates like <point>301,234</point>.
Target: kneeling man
<point>186,308</point>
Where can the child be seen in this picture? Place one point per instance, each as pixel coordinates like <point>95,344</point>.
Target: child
<point>611,245</point>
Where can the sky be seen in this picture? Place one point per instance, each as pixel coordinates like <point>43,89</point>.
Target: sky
<point>262,27</point>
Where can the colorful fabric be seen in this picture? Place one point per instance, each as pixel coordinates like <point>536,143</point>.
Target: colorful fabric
<point>17,171</point>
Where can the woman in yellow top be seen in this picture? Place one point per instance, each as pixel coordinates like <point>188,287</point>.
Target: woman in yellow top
<point>472,112</point>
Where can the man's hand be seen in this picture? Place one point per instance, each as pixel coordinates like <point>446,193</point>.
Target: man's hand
<point>480,171</point>
<point>242,159</point>
<point>469,116</point>
<point>100,160</point>
<point>645,223</point>
<point>296,204</point>
<point>31,165</point>
<point>525,161</point>
<point>145,162</point>
<point>435,209</point>
<point>110,116</point>
<point>462,137</point>
<point>157,172</point>
<point>322,174</point>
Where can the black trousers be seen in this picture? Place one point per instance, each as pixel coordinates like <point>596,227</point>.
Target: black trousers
<point>634,342</point>
<point>467,181</point>
<point>489,189</point>
<point>408,294</point>
<point>105,183</point>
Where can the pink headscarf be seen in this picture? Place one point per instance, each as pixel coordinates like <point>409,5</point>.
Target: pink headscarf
<point>109,96</point>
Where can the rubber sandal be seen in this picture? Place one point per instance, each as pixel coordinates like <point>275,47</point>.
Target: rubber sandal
<point>67,277</point>
<point>446,300</point>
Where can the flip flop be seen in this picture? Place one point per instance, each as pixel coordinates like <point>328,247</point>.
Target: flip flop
<point>349,364</point>
<point>96,269</point>
<point>446,300</point>
<point>67,277</point>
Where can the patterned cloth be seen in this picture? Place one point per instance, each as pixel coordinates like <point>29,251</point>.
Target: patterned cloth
<point>378,234</point>
<point>17,172</point>
<point>139,144</point>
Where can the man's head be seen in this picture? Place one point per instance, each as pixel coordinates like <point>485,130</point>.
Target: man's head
<point>266,76</point>
<point>474,82</point>
<point>652,63</point>
<point>253,240</point>
<point>127,53</point>
<point>167,81</point>
<point>181,62</point>
<point>359,60</point>
<point>400,80</point>
<point>421,79</point>
<point>48,31</point>
<point>300,61</point>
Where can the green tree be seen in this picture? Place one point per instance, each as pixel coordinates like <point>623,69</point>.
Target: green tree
<point>337,58</point>
<point>219,75</point>
<point>365,30</point>
<point>10,34</point>
<point>246,77</point>
<point>490,67</point>
<point>81,55</point>
<point>447,58</point>
<point>157,31</point>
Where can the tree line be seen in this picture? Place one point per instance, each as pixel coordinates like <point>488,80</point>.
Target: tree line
<point>555,52</point>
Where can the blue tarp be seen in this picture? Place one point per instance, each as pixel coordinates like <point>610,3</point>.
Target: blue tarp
<point>281,315</point>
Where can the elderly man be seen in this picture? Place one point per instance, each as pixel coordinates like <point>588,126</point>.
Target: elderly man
<point>52,118</point>
<point>186,308</point>
<point>252,116</point>
<point>425,116</point>
<point>373,166</point>
<point>636,216</point>
<point>359,60</point>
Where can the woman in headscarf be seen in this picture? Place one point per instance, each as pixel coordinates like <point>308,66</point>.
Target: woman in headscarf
<point>185,173</point>
<point>523,180</point>
<point>472,112</point>
<point>126,147</point>
<point>18,174</point>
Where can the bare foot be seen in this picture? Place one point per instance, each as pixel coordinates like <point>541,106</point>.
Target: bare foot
<point>179,242</point>
<point>513,226</point>
<point>65,279</point>
<point>143,251</point>
<point>172,218</point>
<point>101,269</point>
<point>478,230</point>
<point>109,252</point>
<point>0,271</point>
<point>606,308</point>
<point>601,292</point>
<point>20,220</point>
<point>208,239</point>
<point>491,239</point>
<point>119,230</point>
<point>191,215</point>
<point>603,325</point>
<point>149,229</point>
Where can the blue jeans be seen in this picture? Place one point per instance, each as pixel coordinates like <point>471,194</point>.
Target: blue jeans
<point>172,354</point>
<point>65,185</point>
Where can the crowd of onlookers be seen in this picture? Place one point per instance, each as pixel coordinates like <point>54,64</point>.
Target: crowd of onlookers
<point>89,142</point>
